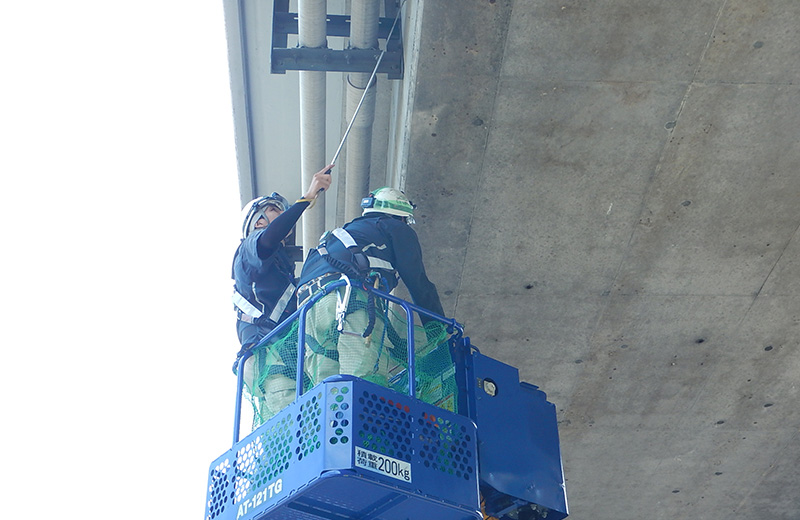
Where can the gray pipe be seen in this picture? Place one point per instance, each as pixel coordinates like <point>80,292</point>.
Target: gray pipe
<point>363,35</point>
<point>312,19</point>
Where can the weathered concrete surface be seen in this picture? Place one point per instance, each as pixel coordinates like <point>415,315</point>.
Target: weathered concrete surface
<point>608,198</point>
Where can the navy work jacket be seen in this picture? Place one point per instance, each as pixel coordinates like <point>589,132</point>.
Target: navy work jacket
<point>262,283</point>
<point>387,238</point>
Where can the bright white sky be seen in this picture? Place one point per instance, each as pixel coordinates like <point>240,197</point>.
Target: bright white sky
<point>120,213</point>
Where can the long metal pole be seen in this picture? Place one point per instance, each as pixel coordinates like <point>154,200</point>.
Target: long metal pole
<point>369,84</point>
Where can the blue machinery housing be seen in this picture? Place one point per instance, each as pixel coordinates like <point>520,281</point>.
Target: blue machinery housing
<point>351,449</point>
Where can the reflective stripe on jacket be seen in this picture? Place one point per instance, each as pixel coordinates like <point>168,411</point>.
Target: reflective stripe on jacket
<point>263,287</point>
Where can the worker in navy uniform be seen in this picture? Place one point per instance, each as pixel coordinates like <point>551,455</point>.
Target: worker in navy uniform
<point>264,274</point>
<point>380,247</point>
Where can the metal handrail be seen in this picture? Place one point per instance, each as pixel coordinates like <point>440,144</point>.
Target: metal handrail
<point>454,328</point>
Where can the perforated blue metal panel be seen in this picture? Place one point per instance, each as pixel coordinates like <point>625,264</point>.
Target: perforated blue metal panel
<point>350,449</point>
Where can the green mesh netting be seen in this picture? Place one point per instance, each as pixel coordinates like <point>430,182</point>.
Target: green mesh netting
<point>381,357</point>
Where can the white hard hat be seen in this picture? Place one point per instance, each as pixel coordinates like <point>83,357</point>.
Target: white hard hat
<point>256,208</point>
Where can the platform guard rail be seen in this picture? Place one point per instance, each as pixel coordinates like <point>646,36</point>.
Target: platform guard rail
<point>453,327</point>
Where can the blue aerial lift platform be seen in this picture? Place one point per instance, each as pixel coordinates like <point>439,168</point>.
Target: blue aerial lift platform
<point>351,449</point>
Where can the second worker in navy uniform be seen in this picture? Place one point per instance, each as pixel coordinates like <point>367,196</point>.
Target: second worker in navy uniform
<point>381,248</point>
<point>264,276</point>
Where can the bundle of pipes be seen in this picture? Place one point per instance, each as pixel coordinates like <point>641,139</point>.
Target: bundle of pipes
<point>360,109</point>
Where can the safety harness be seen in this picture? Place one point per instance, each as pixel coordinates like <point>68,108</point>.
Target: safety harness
<point>352,262</point>
<point>249,313</point>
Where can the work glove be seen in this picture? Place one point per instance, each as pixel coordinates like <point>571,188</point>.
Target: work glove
<point>239,355</point>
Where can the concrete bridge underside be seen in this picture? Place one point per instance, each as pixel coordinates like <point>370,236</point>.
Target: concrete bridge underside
<point>608,198</point>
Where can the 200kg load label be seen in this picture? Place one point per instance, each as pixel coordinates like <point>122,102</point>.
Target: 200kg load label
<point>391,467</point>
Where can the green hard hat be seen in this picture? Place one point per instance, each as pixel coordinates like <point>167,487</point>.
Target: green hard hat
<point>388,200</point>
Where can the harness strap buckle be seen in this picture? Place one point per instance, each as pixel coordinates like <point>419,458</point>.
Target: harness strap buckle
<point>342,302</point>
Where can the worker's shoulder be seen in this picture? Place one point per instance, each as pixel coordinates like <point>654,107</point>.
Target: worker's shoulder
<point>394,225</point>
<point>373,220</point>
